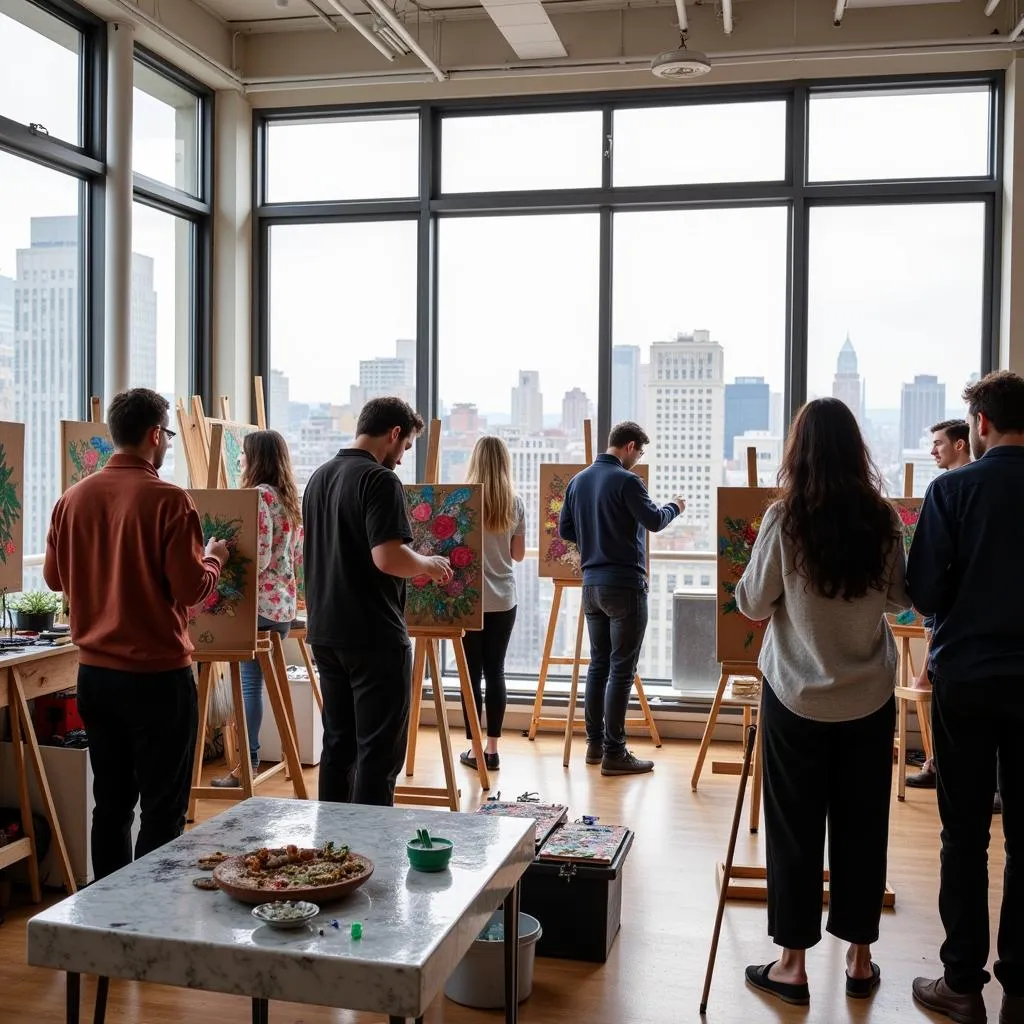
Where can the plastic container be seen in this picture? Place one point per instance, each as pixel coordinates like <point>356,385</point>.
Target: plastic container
<point>434,858</point>
<point>479,981</point>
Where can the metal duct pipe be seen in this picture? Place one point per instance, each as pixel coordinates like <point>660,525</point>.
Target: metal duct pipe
<point>387,15</point>
<point>323,17</point>
<point>362,29</point>
<point>837,18</point>
<point>990,7</point>
<point>681,13</point>
<point>727,16</point>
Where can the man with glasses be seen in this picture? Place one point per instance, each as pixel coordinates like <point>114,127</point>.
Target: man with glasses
<point>606,513</point>
<point>126,548</point>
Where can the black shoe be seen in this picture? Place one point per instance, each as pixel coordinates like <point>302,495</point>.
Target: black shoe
<point>795,995</point>
<point>938,997</point>
<point>492,761</point>
<point>863,988</point>
<point>625,764</point>
<point>924,779</point>
<point>595,751</point>
<point>1012,1010</point>
<point>997,804</point>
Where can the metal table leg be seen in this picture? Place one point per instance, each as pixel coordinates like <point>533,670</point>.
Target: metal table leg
<point>73,990</point>
<point>102,987</point>
<point>511,907</point>
<point>260,1011</point>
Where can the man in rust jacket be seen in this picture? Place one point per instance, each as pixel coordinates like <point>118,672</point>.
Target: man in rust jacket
<point>126,548</point>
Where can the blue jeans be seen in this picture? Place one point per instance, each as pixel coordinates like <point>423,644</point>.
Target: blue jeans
<point>252,689</point>
<point>616,622</point>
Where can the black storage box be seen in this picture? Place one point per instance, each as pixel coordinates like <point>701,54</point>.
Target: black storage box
<point>579,905</point>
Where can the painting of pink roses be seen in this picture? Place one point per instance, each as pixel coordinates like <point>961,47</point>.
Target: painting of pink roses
<point>560,559</point>
<point>447,520</point>
<point>85,449</point>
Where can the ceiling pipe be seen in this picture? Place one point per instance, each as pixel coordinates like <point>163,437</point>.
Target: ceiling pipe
<point>390,18</point>
<point>1016,33</point>
<point>681,13</point>
<point>990,7</point>
<point>727,16</point>
<point>323,17</point>
<point>837,18</point>
<point>379,46</point>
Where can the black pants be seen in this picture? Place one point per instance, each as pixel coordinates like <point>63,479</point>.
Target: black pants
<point>142,737</point>
<point>366,721</point>
<point>977,725</point>
<point>616,622</point>
<point>485,656</point>
<point>818,772</point>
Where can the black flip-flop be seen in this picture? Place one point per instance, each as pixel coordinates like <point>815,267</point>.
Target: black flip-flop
<point>795,995</point>
<point>864,988</point>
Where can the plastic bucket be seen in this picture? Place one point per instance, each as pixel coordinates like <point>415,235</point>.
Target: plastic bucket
<point>479,981</point>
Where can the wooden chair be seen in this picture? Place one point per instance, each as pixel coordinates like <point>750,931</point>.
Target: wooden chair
<point>905,697</point>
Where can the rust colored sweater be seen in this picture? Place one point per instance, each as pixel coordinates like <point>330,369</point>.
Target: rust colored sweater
<point>126,548</point>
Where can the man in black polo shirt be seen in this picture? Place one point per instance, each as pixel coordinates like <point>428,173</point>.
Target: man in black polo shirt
<point>356,563</point>
<point>965,568</point>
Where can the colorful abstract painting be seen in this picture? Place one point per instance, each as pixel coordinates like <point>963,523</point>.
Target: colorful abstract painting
<point>234,438</point>
<point>12,496</point>
<point>86,448</point>
<point>909,512</point>
<point>447,520</point>
<point>558,558</point>
<point>740,510</point>
<point>597,844</point>
<point>226,621</point>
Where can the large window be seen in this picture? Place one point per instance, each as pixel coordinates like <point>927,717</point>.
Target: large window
<point>692,262</point>
<point>342,330</point>
<point>165,130</point>
<point>895,321</point>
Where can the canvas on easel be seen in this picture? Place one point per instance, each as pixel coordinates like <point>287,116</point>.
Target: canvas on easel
<point>234,437</point>
<point>226,622</point>
<point>85,449</point>
<point>909,512</point>
<point>12,498</point>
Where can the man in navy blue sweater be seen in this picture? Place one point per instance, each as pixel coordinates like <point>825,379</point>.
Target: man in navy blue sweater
<point>965,567</point>
<point>606,513</point>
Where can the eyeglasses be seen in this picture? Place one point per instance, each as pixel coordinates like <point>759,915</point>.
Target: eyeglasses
<point>171,435</point>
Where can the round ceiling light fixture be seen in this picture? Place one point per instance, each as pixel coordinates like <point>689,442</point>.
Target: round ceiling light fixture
<point>680,65</point>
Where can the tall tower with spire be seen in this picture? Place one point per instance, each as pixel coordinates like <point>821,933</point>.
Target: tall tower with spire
<point>847,385</point>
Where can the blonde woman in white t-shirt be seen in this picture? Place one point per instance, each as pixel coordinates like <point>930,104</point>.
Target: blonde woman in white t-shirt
<point>504,518</point>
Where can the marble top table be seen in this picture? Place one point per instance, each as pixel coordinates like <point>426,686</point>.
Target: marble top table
<point>147,922</point>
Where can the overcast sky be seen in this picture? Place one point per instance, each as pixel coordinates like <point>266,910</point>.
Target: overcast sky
<point>522,292</point>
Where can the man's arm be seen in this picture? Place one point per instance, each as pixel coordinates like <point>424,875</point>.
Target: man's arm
<point>191,575</point>
<point>566,523</point>
<point>389,533</point>
<point>760,588</point>
<point>646,513</point>
<point>932,554</point>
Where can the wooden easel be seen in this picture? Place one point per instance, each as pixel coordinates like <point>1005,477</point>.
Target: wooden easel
<point>280,698</point>
<point>425,648</point>
<point>537,720</point>
<point>723,695</point>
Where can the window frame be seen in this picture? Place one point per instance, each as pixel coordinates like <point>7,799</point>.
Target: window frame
<point>197,210</point>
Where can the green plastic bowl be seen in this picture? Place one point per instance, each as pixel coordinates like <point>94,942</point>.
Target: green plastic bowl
<point>434,859</point>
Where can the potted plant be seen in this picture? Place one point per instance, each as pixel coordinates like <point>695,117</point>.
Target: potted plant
<point>34,611</point>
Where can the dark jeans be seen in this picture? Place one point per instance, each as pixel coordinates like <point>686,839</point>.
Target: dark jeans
<point>616,622</point>
<point>252,689</point>
<point>818,772</point>
<point>977,725</point>
<point>485,655</point>
<point>142,736</point>
<point>366,721</point>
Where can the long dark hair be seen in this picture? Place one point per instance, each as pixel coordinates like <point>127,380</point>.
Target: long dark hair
<point>267,462</point>
<point>833,510</point>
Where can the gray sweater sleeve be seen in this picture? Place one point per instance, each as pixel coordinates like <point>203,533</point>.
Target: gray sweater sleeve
<point>761,586</point>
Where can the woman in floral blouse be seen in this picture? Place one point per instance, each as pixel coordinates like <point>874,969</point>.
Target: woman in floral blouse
<point>267,466</point>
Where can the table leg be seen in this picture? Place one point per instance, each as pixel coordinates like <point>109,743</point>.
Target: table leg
<point>102,987</point>
<point>260,1011</point>
<point>73,990</point>
<point>512,955</point>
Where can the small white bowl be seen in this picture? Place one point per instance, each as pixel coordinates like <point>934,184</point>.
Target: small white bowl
<point>285,913</point>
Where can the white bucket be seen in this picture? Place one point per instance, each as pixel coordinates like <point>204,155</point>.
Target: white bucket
<point>479,981</point>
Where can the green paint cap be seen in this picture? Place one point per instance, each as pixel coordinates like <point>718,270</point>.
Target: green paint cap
<point>357,930</point>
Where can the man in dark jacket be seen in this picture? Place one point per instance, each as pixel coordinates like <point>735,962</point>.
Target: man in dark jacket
<point>606,514</point>
<point>965,568</point>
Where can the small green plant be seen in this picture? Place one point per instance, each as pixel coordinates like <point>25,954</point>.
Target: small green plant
<point>36,602</point>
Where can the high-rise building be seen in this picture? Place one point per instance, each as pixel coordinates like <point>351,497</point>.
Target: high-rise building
<point>576,407</point>
<point>686,410</point>
<point>279,397</point>
<point>387,375</point>
<point>464,419</point>
<point>747,407</point>
<point>847,385</point>
<point>142,357</point>
<point>776,424</point>
<point>6,348</point>
<point>768,447</point>
<point>922,404</point>
<point>528,403</point>
<point>625,383</point>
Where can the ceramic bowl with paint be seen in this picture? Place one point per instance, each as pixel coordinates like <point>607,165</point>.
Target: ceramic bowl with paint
<point>434,857</point>
<point>285,913</point>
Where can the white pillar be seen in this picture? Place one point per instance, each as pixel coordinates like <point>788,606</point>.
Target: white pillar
<point>1011,327</point>
<point>118,201</point>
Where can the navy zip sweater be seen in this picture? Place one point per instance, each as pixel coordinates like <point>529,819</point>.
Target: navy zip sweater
<point>606,513</point>
<point>966,564</point>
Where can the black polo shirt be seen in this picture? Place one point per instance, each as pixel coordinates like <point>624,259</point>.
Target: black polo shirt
<point>350,505</point>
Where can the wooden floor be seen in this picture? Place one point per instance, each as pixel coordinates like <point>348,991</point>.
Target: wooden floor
<point>656,968</point>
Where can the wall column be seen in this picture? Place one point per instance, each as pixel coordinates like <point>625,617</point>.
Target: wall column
<point>118,235</point>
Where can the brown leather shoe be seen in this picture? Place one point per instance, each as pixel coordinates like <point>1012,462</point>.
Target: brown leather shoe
<point>1012,1010</point>
<point>939,997</point>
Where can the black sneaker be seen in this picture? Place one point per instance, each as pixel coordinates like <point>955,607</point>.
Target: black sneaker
<point>492,761</point>
<point>595,751</point>
<point>924,779</point>
<point>625,763</point>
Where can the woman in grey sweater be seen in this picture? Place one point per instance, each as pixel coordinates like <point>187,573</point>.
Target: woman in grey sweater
<point>827,564</point>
